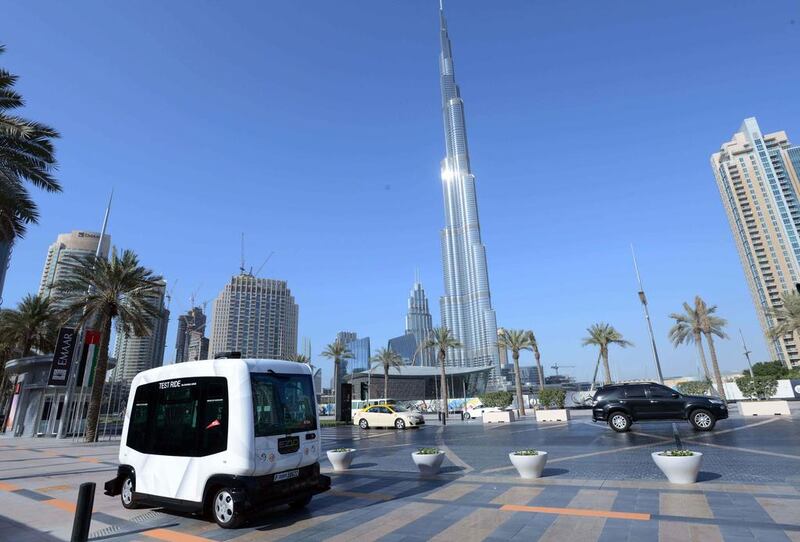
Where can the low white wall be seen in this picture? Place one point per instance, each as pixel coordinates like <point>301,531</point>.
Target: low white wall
<point>499,416</point>
<point>764,408</point>
<point>555,415</point>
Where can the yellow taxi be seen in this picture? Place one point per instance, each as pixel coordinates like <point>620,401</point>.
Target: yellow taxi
<point>387,416</point>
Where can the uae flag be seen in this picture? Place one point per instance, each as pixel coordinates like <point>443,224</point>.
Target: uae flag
<point>91,348</point>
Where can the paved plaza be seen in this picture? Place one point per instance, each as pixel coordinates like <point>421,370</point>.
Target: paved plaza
<point>598,486</point>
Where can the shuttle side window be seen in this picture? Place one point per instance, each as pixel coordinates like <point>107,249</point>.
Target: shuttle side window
<point>137,428</point>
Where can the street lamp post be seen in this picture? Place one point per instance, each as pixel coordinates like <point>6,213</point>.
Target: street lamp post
<point>643,299</point>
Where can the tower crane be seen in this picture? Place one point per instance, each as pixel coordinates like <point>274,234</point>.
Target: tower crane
<point>556,367</point>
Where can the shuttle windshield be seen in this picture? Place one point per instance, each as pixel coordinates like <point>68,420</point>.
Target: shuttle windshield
<point>282,404</point>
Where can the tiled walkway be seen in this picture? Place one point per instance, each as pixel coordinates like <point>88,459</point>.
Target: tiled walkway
<point>478,497</point>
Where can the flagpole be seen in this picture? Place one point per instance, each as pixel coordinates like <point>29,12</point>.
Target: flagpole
<point>71,381</point>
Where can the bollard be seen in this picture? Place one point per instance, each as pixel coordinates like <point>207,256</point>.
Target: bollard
<point>83,513</point>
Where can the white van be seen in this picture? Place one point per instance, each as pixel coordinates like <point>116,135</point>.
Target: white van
<point>225,436</point>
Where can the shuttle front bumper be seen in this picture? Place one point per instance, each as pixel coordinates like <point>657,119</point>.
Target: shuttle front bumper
<point>263,491</point>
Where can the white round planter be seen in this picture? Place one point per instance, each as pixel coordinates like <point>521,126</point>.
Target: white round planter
<point>679,470</point>
<point>428,463</point>
<point>529,466</point>
<point>341,460</point>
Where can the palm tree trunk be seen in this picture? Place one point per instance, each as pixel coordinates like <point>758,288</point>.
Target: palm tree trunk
<point>385,382</point>
<point>336,389</point>
<point>442,359</point>
<point>518,378</point>
<point>539,369</point>
<point>99,380</point>
<point>717,375</point>
<point>604,355</point>
<point>698,339</point>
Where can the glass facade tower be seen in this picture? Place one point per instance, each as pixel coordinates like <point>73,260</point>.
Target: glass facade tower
<point>466,304</point>
<point>758,176</point>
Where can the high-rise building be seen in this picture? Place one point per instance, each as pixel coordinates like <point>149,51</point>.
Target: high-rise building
<point>466,305</point>
<point>419,323</point>
<point>758,176</point>
<point>406,346</point>
<point>196,345</point>
<point>360,349</point>
<point>75,243</point>
<point>257,317</point>
<point>136,354</point>
<point>189,325</point>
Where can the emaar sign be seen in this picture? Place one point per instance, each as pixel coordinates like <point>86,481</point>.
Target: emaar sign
<point>62,358</point>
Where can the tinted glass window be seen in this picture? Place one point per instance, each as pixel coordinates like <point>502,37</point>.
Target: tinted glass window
<point>661,392</point>
<point>608,394</point>
<point>183,417</point>
<point>633,392</point>
<point>283,404</point>
<point>137,427</point>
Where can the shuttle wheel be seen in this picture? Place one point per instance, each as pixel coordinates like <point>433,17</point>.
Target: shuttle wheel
<point>126,493</point>
<point>224,509</point>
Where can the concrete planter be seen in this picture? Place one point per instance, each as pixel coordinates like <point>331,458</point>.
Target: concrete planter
<point>529,466</point>
<point>679,470</point>
<point>341,460</point>
<point>428,464</point>
<point>764,408</point>
<point>502,416</point>
<point>552,415</point>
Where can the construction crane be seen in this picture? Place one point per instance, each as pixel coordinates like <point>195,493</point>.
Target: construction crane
<point>556,367</point>
<point>168,293</point>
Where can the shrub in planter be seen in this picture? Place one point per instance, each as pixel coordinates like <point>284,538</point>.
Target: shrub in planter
<point>529,463</point>
<point>499,399</point>
<point>428,460</point>
<point>762,387</point>
<point>551,398</point>
<point>341,458</point>
<point>679,466</point>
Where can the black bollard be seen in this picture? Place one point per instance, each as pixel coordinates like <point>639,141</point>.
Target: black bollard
<point>83,513</point>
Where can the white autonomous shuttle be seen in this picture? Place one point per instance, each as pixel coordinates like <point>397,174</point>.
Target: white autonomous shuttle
<point>225,436</point>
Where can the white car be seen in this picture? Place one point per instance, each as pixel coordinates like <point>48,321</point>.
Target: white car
<point>387,416</point>
<point>478,411</point>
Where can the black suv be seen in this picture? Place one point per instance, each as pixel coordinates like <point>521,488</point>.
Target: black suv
<point>622,404</point>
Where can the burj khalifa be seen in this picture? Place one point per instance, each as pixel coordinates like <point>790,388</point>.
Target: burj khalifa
<point>466,304</point>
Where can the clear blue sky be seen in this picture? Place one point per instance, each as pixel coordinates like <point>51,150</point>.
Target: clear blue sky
<point>315,128</point>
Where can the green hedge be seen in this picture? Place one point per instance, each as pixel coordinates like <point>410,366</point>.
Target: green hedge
<point>552,398</point>
<point>500,399</point>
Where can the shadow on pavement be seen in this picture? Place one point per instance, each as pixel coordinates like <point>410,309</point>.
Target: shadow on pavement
<point>12,530</point>
<point>363,465</point>
<point>553,472</point>
<point>705,476</point>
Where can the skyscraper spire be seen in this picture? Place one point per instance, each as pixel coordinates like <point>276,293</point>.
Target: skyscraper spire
<point>466,305</point>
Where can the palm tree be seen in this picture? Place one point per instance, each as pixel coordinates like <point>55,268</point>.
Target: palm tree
<point>687,330</point>
<point>787,316</point>
<point>537,356</point>
<point>386,358</point>
<point>711,325</point>
<point>27,154</point>
<point>32,325</point>
<point>604,335</point>
<point>101,292</point>
<point>442,339</point>
<point>516,340</point>
<point>338,352</point>
<point>300,358</point>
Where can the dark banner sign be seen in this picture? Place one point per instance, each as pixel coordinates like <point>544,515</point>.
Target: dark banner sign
<point>62,359</point>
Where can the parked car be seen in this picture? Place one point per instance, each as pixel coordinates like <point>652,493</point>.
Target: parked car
<point>478,411</point>
<point>623,404</point>
<point>387,416</point>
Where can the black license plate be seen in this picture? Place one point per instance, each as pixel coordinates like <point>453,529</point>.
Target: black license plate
<point>288,445</point>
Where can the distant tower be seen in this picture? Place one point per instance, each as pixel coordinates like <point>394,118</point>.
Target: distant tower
<point>758,176</point>
<point>191,333</point>
<point>419,322</point>
<point>137,354</point>
<point>257,317</point>
<point>466,305</point>
<point>76,243</point>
